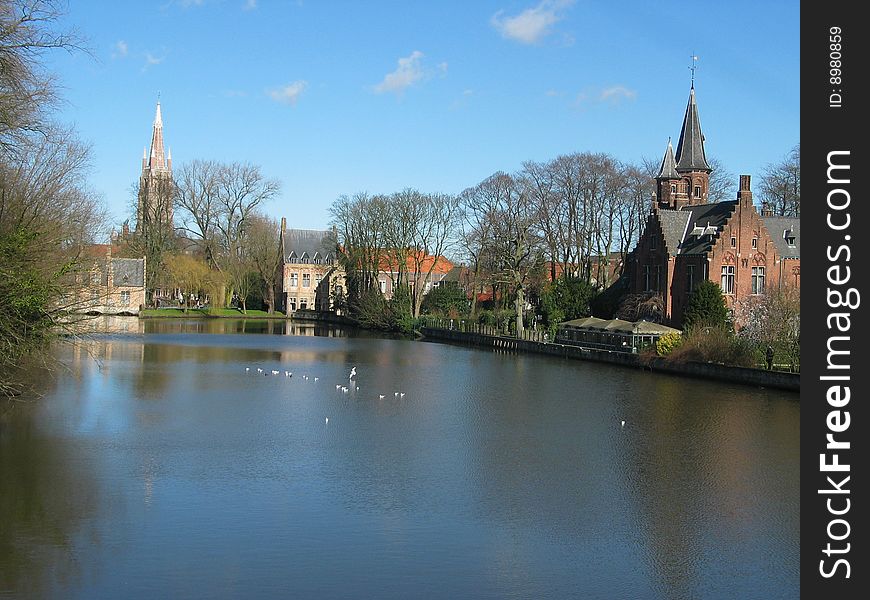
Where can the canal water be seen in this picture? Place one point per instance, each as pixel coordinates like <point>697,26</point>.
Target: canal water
<point>159,463</point>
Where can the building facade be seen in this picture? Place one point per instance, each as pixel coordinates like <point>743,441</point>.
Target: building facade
<point>688,239</point>
<point>311,278</point>
<point>110,286</point>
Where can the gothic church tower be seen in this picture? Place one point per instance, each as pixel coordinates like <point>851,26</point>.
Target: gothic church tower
<point>155,183</point>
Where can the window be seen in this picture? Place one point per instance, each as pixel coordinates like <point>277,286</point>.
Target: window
<point>653,241</point>
<point>733,242</point>
<point>306,280</point>
<point>728,279</point>
<point>125,298</point>
<point>690,278</point>
<point>95,276</point>
<point>294,279</point>
<point>697,191</point>
<point>303,304</point>
<point>383,285</point>
<point>318,277</point>
<point>646,278</point>
<point>658,278</point>
<point>673,189</point>
<point>754,243</point>
<point>291,304</point>
<point>757,280</point>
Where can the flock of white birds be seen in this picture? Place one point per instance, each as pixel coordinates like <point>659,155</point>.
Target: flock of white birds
<point>351,386</point>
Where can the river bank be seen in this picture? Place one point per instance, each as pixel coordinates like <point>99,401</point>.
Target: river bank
<point>755,377</point>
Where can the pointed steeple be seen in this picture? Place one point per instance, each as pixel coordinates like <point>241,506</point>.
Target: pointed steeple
<point>668,169</point>
<point>690,148</point>
<point>157,160</point>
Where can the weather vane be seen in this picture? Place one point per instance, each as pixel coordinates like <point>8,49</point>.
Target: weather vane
<point>693,67</point>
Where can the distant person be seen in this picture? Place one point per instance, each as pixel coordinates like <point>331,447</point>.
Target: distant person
<point>769,356</point>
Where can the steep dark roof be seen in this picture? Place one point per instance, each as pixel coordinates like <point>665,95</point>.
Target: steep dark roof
<point>694,229</point>
<point>308,242</point>
<point>782,228</point>
<point>690,148</point>
<point>710,218</point>
<point>673,224</point>
<point>668,170</point>
<point>126,272</point>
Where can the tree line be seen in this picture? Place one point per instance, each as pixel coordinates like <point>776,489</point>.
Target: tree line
<point>546,238</point>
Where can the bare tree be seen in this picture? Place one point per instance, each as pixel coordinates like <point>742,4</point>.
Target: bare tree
<point>359,221</point>
<point>196,197</point>
<point>722,184</point>
<point>216,202</point>
<point>781,185</point>
<point>433,236</point>
<point>262,245</point>
<point>508,215</point>
<point>26,32</point>
<point>241,189</point>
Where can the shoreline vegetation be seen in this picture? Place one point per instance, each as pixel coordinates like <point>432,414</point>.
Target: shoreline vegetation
<point>779,378</point>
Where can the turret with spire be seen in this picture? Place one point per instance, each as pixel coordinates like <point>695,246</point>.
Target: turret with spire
<point>684,178</point>
<point>668,181</point>
<point>156,179</point>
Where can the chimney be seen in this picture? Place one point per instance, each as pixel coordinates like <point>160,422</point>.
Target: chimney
<point>744,194</point>
<point>283,224</point>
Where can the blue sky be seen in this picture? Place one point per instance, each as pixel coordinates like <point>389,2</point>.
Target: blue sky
<point>337,97</point>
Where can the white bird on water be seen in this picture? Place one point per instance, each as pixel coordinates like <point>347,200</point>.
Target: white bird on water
<point>352,372</point>
<point>623,423</point>
<point>327,420</point>
<point>247,369</point>
<point>380,396</point>
<point>259,370</point>
<point>402,395</point>
<point>315,379</point>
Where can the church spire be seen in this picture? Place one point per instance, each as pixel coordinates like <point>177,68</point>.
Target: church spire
<point>690,148</point>
<point>157,158</point>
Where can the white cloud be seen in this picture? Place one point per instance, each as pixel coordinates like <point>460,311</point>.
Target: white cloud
<point>408,72</point>
<point>250,5</point>
<point>616,93</point>
<point>121,49</point>
<point>613,96</point>
<point>288,94</point>
<point>533,24</point>
<point>150,59</point>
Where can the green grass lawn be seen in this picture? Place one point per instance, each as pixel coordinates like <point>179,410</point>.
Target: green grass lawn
<point>205,312</point>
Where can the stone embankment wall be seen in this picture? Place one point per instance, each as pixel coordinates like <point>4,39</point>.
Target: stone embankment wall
<point>757,377</point>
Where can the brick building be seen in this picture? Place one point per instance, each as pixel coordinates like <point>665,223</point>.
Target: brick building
<point>687,239</point>
<point>421,270</point>
<point>311,278</point>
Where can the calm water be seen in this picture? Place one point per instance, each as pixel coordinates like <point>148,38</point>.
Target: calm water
<point>156,467</point>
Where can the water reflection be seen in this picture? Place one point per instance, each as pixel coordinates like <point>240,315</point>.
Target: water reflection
<point>495,476</point>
